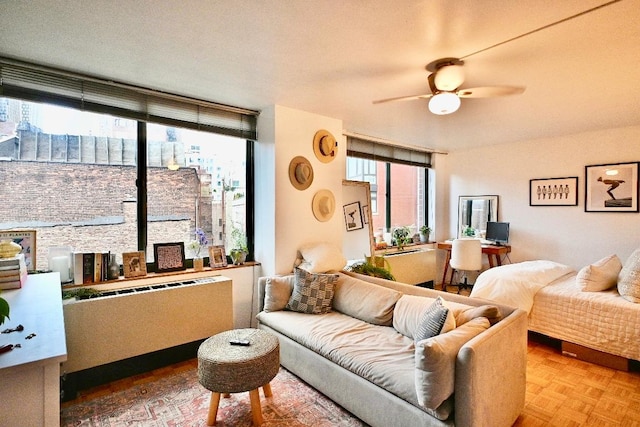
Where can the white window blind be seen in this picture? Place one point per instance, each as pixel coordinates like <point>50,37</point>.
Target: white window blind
<point>43,84</point>
<point>378,150</point>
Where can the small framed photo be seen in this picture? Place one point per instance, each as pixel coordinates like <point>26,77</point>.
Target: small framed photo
<point>134,264</point>
<point>26,239</point>
<point>553,191</point>
<point>611,187</point>
<point>217,256</point>
<point>365,214</point>
<point>353,216</point>
<point>169,256</point>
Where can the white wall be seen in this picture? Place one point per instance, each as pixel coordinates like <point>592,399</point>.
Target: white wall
<point>564,234</point>
<point>284,219</point>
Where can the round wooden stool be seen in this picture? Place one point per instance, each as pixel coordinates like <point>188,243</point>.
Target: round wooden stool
<point>224,368</point>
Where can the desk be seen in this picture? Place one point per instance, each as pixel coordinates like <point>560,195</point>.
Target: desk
<point>494,254</point>
<point>30,375</point>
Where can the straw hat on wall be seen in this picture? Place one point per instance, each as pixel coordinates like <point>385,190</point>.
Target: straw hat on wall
<point>300,173</point>
<point>323,205</point>
<point>325,146</point>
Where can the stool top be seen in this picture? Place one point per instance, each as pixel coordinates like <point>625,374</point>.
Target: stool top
<point>218,349</point>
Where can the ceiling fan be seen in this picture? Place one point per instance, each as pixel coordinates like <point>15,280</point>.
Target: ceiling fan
<point>444,81</point>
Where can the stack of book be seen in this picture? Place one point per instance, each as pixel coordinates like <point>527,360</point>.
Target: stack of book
<point>90,267</point>
<point>13,272</point>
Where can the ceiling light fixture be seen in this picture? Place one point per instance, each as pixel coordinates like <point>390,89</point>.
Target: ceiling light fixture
<point>444,103</point>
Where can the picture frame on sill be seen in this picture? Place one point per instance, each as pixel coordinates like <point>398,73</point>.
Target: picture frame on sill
<point>134,264</point>
<point>169,257</point>
<point>353,216</point>
<point>27,240</point>
<point>553,191</point>
<point>217,256</point>
<point>365,214</point>
<point>611,187</point>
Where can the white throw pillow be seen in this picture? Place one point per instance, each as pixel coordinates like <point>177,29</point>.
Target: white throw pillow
<point>629,278</point>
<point>365,301</point>
<point>601,275</point>
<point>435,360</point>
<point>321,258</point>
<point>277,292</point>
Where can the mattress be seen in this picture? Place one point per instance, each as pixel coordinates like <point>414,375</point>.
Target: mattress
<point>601,321</point>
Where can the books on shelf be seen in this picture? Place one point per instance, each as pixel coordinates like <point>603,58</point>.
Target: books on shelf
<point>90,267</point>
<point>13,272</point>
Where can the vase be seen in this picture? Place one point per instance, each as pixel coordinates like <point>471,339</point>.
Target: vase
<point>113,271</point>
<point>198,263</point>
<point>238,256</point>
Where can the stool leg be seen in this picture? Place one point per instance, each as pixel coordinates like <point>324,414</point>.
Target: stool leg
<point>256,409</point>
<point>213,408</point>
<point>266,389</point>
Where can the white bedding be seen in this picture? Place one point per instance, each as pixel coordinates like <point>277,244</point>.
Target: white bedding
<point>515,285</point>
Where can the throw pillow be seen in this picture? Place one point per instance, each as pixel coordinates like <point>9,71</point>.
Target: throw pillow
<point>600,275</point>
<point>322,257</point>
<point>312,293</point>
<point>277,292</point>
<point>629,278</point>
<point>437,319</point>
<point>365,301</point>
<point>490,312</point>
<point>435,360</point>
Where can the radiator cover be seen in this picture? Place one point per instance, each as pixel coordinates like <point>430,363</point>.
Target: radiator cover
<point>157,314</point>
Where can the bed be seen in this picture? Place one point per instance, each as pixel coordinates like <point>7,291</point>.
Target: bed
<point>561,306</point>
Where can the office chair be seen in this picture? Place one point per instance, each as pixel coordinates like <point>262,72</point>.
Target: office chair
<point>466,255</point>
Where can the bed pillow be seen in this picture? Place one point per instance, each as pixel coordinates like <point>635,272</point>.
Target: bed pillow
<point>321,258</point>
<point>437,319</point>
<point>629,278</point>
<point>312,293</point>
<point>365,301</point>
<point>599,276</point>
<point>277,292</point>
<point>435,362</point>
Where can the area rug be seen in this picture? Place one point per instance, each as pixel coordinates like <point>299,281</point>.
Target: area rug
<point>179,400</point>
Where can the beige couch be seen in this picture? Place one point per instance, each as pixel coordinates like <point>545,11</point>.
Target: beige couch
<point>362,353</point>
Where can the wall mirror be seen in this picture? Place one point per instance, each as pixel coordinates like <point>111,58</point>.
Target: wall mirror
<point>357,234</point>
<point>475,212</point>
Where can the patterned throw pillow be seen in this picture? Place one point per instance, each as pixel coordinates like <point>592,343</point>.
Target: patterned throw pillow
<point>629,278</point>
<point>437,319</point>
<point>312,293</point>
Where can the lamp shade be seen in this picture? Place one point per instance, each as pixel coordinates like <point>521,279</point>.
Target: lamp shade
<point>444,103</point>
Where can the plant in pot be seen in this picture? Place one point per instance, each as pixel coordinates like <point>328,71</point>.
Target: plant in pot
<point>424,233</point>
<point>239,243</point>
<point>401,237</point>
<point>196,246</point>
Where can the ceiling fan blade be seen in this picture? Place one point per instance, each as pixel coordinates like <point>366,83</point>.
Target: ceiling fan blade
<point>489,91</point>
<point>403,98</point>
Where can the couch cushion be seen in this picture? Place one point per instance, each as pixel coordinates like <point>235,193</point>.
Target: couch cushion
<point>437,319</point>
<point>490,312</point>
<point>629,278</point>
<point>312,293</point>
<point>600,275</point>
<point>277,292</point>
<point>435,360</point>
<point>365,301</point>
<point>321,257</point>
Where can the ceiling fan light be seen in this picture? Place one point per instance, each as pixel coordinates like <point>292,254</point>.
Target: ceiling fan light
<point>449,77</point>
<point>444,103</point>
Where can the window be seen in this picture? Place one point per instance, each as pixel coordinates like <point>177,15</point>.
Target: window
<point>71,175</point>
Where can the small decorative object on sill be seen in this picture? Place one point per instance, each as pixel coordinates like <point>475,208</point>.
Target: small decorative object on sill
<point>198,264</point>
<point>238,256</point>
<point>114,268</point>
<point>9,249</point>
<point>424,234</point>
<point>196,246</point>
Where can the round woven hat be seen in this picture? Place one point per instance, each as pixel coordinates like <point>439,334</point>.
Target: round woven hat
<point>325,146</point>
<point>300,173</point>
<point>323,205</point>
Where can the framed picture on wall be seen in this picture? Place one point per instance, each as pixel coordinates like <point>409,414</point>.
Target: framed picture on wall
<point>553,191</point>
<point>353,216</point>
<point>169,256</point>
<point>365,214</point>
<point>27,240</point>
<point>611,187</point>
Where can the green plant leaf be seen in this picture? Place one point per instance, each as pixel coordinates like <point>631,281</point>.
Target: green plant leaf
<point>4,310</point>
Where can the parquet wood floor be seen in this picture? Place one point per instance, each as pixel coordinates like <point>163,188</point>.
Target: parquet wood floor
<point>561,391</point>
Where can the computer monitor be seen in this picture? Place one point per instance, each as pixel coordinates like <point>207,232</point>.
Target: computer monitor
<point>498,232</point>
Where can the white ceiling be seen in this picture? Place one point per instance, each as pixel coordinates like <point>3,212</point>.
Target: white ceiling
<point>334,57</point>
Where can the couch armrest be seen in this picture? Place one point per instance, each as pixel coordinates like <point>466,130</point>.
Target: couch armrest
<point>491,370</point>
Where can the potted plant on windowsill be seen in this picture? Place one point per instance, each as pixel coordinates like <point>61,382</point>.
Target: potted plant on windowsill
<point>200,242</point>
<point>424,234</point>
<point>239,251</point>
